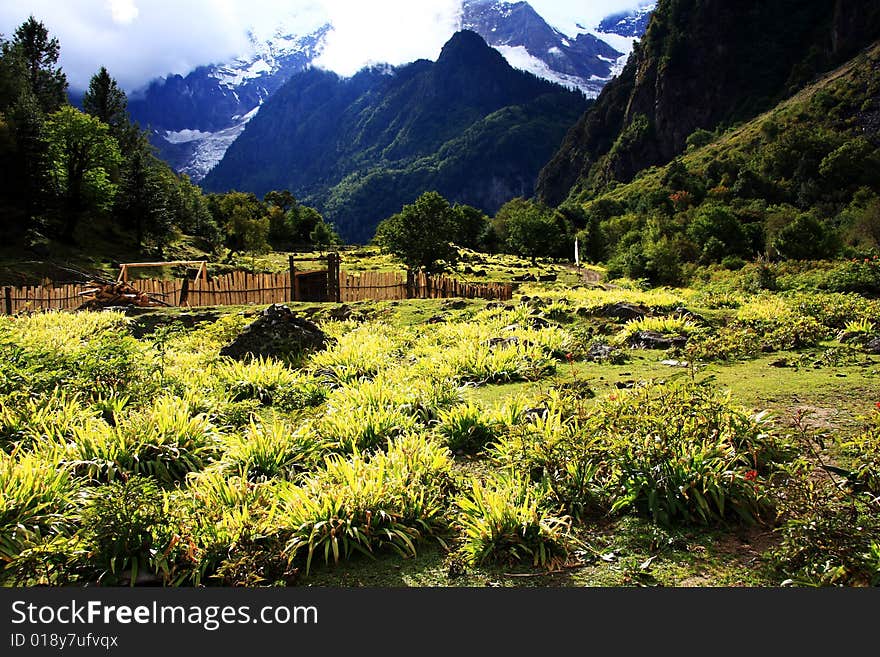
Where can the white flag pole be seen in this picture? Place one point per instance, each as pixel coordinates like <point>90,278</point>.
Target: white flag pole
<point>577,255</point>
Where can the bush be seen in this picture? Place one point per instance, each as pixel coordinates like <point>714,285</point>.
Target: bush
<point>733,263</point>
<point>364,505</point>
<point>828,538</point>
<point>859,276</point>
<point>555,454</point>
<point>466,428</point>
<point>81,353</point>
<point>864,452</point>
<point>503,522</point>
<point>681,453</point>
<point>125,531</point>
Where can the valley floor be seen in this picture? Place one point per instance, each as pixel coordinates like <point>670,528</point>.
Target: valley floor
<point>450,443</point>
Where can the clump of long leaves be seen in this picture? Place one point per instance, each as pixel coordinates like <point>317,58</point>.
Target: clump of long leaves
<point>504,521</point>
<point>362,504</point>
<point>682,453</point>
<point>165,441</point>
<point>37,499</point>
<point>273,449</point>
<point>467,428</point>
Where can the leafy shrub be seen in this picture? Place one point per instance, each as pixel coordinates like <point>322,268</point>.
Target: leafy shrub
<point>125,531</point>
<point>758,276</point>
<point>864,451</point>
<point>503,522</point>
<point>828,538</point>
<point>363,505</point>
<point>733,263</point>
<point>466,428</point>
<point>218,514</point>
<point>238,414</point>
<point>273,449</point>
<point>304,394</point>
<point>556,455</point>
<point>37,499</point>
<point>95,357</point>
<point>835,311</point>
<point>725,344</point>
<point>682,453</point>
<point>779,324</point>
<point>859,276</point>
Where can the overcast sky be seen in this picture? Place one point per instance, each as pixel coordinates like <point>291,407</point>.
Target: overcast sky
<point>138,40</point>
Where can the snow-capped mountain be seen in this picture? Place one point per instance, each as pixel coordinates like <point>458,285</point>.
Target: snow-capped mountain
<point>194,119</point>
<point>528,42</point>
<point>629,23</point>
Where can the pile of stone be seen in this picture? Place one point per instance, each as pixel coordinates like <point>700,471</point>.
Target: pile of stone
<point>276,333</point>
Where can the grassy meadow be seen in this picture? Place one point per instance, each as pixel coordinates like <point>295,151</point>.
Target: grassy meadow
<point>451,442</point>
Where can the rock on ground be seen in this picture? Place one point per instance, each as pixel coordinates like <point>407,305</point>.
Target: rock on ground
<point>276,333</point>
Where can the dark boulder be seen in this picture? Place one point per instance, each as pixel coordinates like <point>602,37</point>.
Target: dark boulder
<point>654,340</point>
<point>622,311</point>
<point>276,333</point>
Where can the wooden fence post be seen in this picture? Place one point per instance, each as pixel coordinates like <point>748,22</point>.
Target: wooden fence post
<point>334,292</point>
<point>410,284</point>
<point>292,278</point>
<point>7,294</point>
<point>184,291</point>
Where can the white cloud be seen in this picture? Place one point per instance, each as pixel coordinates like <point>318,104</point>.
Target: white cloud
<point>123,11</point>
<point>566,15</point>
<point>390,31</point>
<point>138,40</point>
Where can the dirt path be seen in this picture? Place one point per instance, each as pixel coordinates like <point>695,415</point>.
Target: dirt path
<point>588,276</point>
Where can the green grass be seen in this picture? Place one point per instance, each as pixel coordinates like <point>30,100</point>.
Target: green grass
<point>250,459</point>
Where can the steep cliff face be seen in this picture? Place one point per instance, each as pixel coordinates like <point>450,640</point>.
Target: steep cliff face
<point>703,63</point>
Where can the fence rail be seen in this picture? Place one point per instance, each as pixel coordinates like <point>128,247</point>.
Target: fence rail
<point>242,288</point>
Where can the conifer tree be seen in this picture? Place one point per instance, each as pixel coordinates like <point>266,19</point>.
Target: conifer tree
<point>39,56</point>
<point>105,100</point>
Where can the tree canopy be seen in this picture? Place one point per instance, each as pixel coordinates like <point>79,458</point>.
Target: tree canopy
<point>420,234</point>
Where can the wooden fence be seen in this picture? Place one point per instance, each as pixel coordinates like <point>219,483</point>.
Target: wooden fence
<point>239,289</point>
<point>242,288</point>
<point>18,299</point>
<point>363,286</point>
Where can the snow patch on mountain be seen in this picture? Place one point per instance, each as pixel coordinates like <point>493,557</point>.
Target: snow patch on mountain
<point>520,58</point>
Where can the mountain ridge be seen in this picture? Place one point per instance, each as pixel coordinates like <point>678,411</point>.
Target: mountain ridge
<point>356,147</point>
<point>192,119</point>
<point>692,72</point>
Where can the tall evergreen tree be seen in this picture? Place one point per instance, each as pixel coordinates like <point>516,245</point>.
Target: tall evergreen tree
<point>28,178</point>
<point>105,100</point>
<point>12,77</point>
<point>108,103</point>
<point>39,54</point>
